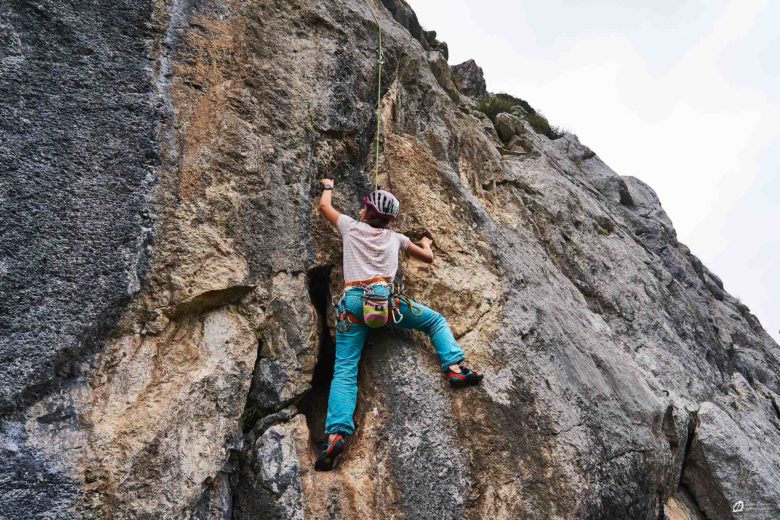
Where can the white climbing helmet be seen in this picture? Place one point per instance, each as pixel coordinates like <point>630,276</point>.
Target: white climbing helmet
<point>383,203</point>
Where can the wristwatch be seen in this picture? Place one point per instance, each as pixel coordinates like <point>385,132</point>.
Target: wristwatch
<point>327,186</point>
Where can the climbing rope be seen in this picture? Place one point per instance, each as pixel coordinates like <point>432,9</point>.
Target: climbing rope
<point>380,60</point>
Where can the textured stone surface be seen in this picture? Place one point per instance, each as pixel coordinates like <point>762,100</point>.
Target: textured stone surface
<point>723,466</point>
<point>436,45</point>
<point>403,13</point>
<point>270,483</point>
<point>77,161</point>
<point>681,507</point>
<point>189,379</point>
<point>441,71</point>
<point>469,79</point>
<point>509,126</point>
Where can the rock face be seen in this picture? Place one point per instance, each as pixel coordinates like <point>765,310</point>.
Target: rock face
<point>469,79</point>
<point>509,126</point>
<point>167,340</point>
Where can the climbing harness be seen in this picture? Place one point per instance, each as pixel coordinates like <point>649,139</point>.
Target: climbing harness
<point>377,308</point>
<point>380,60</point>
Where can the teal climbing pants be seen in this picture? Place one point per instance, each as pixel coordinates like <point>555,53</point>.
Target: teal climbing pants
<point>349,346</point>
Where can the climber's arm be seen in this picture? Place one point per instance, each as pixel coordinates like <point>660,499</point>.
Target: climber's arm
<point>327,210</point>
<point>422,251</point>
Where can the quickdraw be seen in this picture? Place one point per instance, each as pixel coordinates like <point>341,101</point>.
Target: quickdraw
<point>344,318</point>
<point>399,295</point>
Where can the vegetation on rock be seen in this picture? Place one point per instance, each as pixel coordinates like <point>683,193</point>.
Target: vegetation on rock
<point>494,104</point>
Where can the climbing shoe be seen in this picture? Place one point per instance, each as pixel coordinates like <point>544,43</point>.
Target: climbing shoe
<point>464,378</point>
<point>327,458</point>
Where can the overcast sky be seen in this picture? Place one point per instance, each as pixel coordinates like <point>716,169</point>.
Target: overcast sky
<point>683,94</point>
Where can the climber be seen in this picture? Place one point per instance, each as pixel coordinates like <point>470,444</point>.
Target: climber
<point>370,261</point>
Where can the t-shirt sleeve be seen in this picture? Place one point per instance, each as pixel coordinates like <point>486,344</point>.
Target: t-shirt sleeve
<point>403,241</point>
<point>344,222</point>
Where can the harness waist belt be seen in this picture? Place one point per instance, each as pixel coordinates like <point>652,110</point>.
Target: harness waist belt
<point>361,283</point>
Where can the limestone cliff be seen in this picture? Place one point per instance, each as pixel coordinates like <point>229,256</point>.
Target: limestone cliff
<point>166,330</point>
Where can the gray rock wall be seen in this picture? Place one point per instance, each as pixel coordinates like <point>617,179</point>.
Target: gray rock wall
<point>469,79</point>
<point>79,157</point>
<point>187,376</point>
<point>79,154</point>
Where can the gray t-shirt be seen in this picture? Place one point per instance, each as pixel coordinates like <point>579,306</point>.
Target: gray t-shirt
<point>369,252</point>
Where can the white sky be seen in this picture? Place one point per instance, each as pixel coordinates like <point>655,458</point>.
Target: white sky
<point>683,94</point>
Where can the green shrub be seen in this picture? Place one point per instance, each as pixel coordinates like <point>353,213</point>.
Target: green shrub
<point>491,106</point>
<point>541,125</point>
<point>522,103</point>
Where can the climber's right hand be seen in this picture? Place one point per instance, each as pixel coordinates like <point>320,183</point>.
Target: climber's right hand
<point>326,208</point>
